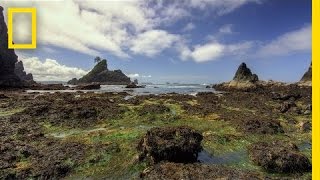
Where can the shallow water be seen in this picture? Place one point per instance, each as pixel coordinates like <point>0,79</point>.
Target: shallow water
<point>228,158</point>
<point>191,89</point>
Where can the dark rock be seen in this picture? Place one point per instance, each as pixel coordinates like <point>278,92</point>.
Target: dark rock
<point>305,126</point>
<point>263,126</point>
<point>8,58</point>
<point>195,171</point>
<point>133,85</point>
<point>174,144</point>
<point>307,75</point>
<point>136,81</point>
<point>2,96</point>
<point>47,87</point>
<point>101,74</point>
<point>91,86</point>
<point>285,97</point>
<point>307,112</point>
<point>244,74</point>
<point>20,72</point>
<point>286,106</point>
<point>279,157</point>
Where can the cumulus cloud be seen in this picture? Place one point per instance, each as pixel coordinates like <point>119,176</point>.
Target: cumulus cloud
<point>136,75</point>
<point>290,42</point>
<point>93,27</point>
<point>51,70</point>
<point>151,43</point>
<point>214,50</point>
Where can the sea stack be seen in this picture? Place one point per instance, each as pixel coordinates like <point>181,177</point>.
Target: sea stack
<point>243,79</point>
<point>100,74</point>
<point>306,79</point>
<point>12,72</point>
<point>8,58</point>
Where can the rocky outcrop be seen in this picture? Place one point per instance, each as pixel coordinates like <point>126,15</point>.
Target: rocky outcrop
<point>101,74</point>
<point>169,170</point>
<point>306,79</point>
<point>279,157</point>
<point>173,144</point>
<point>243,79</point>
<point>20,72</point>
<point>8,58</point>
<point>12,72</point>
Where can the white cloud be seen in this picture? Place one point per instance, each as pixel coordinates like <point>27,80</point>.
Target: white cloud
<point>93,27</point>
<point>136,75</point>
<point>51,70</point>
<point>153,42</point>
<point>226,29</point>
<point>291,42</point>
<point>214,50</point>
<point>190,26</point>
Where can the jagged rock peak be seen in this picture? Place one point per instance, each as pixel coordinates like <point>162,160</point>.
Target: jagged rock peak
<point>244,74</point>
<point>20,72</point>
<point>307,75</point>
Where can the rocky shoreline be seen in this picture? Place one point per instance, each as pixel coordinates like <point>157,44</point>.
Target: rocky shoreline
<point>105,135</point>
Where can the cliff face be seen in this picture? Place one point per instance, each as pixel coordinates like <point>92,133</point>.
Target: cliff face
<point>12,72</point>
<point>20,72</point>
<point>8,58</point>
<point>101,74</point>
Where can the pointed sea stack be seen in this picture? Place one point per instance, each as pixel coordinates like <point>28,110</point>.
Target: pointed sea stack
<point>244,74</point>
<point>243,79</point>
<point>101,74</point>
<point>306,79</point>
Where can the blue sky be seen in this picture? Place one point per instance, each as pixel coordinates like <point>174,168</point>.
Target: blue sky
<point>187,41</point>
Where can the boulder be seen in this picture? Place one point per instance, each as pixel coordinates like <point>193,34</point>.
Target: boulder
<point>101,74</point>
<point>279,157</point>
<point>305,126</point>
<point>262,126</point>
<point>173,144</point>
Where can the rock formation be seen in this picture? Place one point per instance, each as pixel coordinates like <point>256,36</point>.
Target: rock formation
<point>20,72</point>
<point>307,77</point>
<point>243,79</point>
<point>8,58</point>
<point>244,74</point>
<point>12,72</point>
<point>101,74</point>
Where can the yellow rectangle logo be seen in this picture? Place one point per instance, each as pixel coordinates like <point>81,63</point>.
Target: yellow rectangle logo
<point>33,12</point>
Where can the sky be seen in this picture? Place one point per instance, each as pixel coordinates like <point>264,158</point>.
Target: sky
<point>178,41</point>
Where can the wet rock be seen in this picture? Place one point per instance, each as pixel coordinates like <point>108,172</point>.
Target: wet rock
<point>263,126</point>
<point>91,86</point>
<point>174,144</point>
<point>285,97</point>
<point>2,96</point>
<point>305,126</point>
<point>195,171</point>
<point>279,157</point>
<point>154,109</point>
<point>48,87</point>
<point>286,106</point>
<point>133,85</point>
<point>307,112</point>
